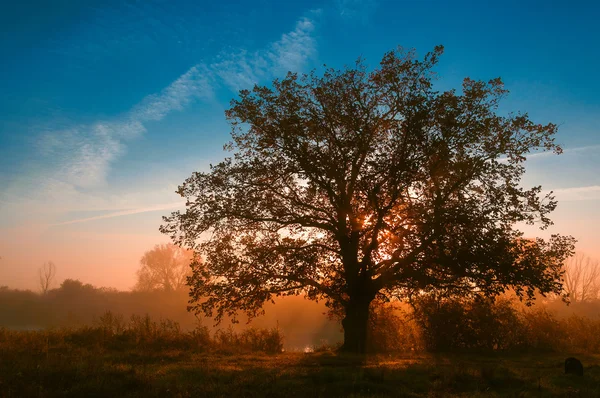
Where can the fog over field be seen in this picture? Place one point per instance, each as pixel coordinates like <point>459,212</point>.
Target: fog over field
<point>316,198</point>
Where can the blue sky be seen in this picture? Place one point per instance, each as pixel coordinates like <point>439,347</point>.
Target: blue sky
<point>107,106</point>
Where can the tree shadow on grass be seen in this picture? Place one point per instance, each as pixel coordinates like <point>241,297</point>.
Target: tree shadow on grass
<point>410,376</point>
<point>89,380</point>
<point>293,375</point>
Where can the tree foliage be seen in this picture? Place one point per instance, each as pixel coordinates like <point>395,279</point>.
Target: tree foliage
<point>356,184</point>
<point>166,267</point>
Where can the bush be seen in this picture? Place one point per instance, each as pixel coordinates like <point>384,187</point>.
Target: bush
<point>201,337</point>
<point>391,330</point>
<point>111,323</point>
<point>448,323</point>
<point>493,325</point>
<point>483,324</point>
<point>443,322</point>
<point>434,324</point>
<point>262,340</point>
<point>581,334</point>
<point>543,332</point>
<point>112,333</point>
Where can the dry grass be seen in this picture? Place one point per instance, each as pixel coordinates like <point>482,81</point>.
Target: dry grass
<point>47,364</point>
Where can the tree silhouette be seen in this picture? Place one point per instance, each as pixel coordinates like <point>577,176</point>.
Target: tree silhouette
<point>356,185</point>
<point>46,274</point>
<point>582,278</point>
<point>166,267</point>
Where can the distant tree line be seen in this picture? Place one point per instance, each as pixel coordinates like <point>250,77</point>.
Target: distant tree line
<point>432,321</point>
<point>75,303</point>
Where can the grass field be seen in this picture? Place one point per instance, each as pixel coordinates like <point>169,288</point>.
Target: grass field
<point>96,371</point>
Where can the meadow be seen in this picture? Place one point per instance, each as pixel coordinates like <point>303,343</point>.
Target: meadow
<point>156,359</point>
<point>443,348</point>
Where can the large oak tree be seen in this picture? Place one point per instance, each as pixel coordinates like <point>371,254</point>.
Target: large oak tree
<point>353,186</point>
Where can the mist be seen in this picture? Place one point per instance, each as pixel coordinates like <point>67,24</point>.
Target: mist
<point>75,304</point>
<point>330,198</point>
<point>304,324</point>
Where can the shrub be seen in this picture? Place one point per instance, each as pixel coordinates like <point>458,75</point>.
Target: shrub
<point>111,323</point>
<point>493,325</point>
<point>582,334</point>
<point>391,329</point>
<point>201,337</point>
<point>543,332</point>
<point>262,340</point>
<point>449,323</point>
<point>443,322</point>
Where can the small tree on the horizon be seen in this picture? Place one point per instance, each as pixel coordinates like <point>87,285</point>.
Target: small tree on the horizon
<point>46,274</point>
<point>582,278</point>
<point>355,186</point>
<point>165,267</point>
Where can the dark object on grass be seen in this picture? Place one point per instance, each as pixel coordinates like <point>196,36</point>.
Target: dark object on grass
<point>573,366</point>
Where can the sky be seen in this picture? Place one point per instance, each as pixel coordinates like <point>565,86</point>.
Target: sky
<point>107,106</point>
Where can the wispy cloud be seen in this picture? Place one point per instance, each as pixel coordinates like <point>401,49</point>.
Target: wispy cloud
<point>84,154</point>
<point>591,192</point>
<point>240,69</point>
<point>166,206</point>
<point>575,150</point>
<point>356,10</point>
<point>75,161</point>
<point>566,151</point>
<point>294,48</point>
<point>195,83</point>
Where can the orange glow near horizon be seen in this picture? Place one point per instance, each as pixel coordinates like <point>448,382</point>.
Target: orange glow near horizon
<point>106,252</point>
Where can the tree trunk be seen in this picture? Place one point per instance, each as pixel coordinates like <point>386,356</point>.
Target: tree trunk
<point>355,325</point>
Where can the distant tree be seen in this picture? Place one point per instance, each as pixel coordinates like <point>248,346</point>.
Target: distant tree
<point>46,274</point>
<point>357,185</point>
<point>74,286</point>
<point>166,267</point>
<point>582,278</point>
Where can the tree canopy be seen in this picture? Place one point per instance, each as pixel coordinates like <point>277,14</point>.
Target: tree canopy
<point>357,185</point>
<point>166,267</point>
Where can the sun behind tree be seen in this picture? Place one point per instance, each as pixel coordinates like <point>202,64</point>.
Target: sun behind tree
<point>166,267</point>
<point>356,186</point>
